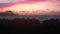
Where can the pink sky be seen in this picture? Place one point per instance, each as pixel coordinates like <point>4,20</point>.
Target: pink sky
<point>14,1</point>
<point>30,5</point>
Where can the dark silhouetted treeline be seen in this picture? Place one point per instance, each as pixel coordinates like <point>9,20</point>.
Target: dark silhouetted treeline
<point>29,25</point>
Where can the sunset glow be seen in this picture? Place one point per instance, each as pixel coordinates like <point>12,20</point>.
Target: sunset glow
<point>33,5</point>
<point>26,7</point>
<point>0,9</point>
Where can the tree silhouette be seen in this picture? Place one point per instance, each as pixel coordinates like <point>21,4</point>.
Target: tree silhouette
<point>33,25</point>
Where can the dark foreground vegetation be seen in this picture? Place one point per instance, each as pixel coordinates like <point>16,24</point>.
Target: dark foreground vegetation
<point>29,25</point>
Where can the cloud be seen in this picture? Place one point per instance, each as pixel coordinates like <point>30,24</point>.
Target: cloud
<point>7,1</point>
<point>36,0</point>
<point>3,5</point>
<point>14,1</point>
<point>58,5</point>
<point>11,1</point>
<point>45,0</point>
<point>58,0</point>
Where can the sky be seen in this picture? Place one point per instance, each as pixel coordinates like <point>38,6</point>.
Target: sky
<point>42,6</point>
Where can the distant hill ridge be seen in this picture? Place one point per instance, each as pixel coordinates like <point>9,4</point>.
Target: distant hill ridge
<point>7,13</point>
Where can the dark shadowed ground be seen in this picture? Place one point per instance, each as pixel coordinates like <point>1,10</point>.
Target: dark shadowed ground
<point>23,25</point>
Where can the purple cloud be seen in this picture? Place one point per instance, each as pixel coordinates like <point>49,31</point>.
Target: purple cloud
<point>2,5</point>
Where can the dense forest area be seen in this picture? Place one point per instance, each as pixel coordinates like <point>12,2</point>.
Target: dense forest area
<point>29,25</point>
